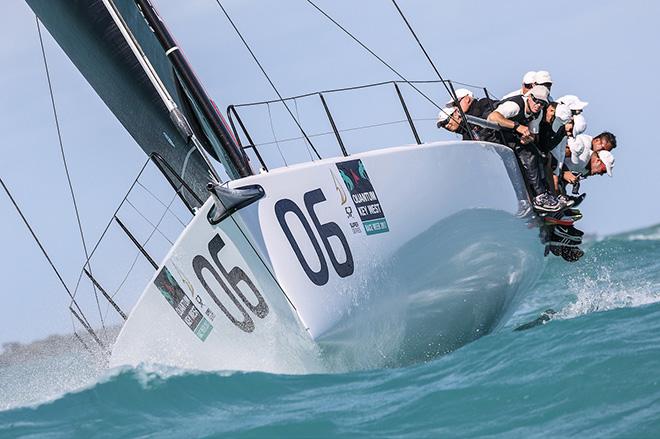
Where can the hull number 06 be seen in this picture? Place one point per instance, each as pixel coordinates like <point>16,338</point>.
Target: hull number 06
<point>325,231</point>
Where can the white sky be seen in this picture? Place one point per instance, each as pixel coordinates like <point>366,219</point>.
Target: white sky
<point>605,52</point>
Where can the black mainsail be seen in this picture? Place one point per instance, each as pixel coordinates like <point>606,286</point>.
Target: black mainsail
<point>118,46</point>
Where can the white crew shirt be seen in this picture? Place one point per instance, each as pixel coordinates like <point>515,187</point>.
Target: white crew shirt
<point>562,116</point>
<point>580,147</point>
<point>510,109</point>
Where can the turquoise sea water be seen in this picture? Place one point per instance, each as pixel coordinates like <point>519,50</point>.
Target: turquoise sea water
<point>593,371</point>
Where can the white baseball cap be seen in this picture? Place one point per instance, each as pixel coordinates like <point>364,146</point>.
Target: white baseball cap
<point>580,147</point>
<point>563,113</point>
<point>539,92</point>
<point>460,94</point>
<point>445,113</point>
<point>573,102</point>
<point>607,158</point>
<point>542,76</point>
<point>579,124</point>
<point>529,78</point>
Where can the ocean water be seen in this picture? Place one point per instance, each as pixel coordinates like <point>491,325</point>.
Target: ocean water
<point>592,371</point>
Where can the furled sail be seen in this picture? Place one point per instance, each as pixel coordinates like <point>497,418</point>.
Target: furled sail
<point>146,93</point>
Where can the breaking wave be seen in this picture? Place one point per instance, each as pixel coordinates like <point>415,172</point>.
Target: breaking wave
<point>590,371</point>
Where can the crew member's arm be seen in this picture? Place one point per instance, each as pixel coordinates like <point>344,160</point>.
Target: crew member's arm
<point>567,175</point>
<point>502,121</point>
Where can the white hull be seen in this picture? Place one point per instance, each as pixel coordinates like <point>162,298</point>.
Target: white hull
<point>419,257</point>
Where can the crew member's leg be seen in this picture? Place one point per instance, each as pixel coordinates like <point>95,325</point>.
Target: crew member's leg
<point>531,170</point>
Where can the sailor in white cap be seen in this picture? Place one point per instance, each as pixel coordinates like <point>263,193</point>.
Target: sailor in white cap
<point>543,79</point>
<point>445,118</point>
<point>464,98</point>
<point>554,132</point>
<point>577,107</point>
<point>574,103</point>
<point>604,141</point>
<point>515,115</point>
<point>582,159</point>
<point>579,124</point>
<point>605,159</point>
<point>517,112</point>
<point>527,84</point>
<point>451,120</point>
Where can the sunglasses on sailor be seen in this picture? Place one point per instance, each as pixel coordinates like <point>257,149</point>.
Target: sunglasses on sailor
<point>450,116</point>
<point>546,84</point>
<point>537,101</point>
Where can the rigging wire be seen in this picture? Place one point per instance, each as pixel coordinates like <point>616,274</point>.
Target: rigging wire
<point>107,227</point>
<point>410,83</point>
<point>41,247</point>
<point>295,104</point>
<point>452,94</point>
<point>148,221</point>
<point>272,128</point>
<point>161,203</point>
<point>422,47</point>
<point>247,46</point>
<point>66,168</point>
<point>365,47</point>
<point>137,253</point>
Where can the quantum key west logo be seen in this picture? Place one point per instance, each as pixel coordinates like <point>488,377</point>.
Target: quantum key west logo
<point>364,196</point>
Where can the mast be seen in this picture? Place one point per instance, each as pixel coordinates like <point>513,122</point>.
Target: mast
<point>187,76</point>
<point>176,116</point>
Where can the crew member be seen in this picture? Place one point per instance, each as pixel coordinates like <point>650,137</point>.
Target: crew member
<point>543,79</point>
<point>450,118</point>
<point>517,113</point>
<point>555,128</point>
<point>577,107</point>
<point>587,156</point>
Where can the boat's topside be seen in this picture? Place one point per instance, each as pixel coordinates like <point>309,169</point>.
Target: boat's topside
<point>386,256</point>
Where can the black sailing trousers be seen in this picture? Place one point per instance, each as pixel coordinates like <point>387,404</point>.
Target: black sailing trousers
<point>532,168</point>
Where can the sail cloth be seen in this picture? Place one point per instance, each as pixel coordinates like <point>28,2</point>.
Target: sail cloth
<point>86,32</point>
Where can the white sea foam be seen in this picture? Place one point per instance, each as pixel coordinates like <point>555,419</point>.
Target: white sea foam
<point>652,236</point>
<point>601,293</point>
<point>651,233</point>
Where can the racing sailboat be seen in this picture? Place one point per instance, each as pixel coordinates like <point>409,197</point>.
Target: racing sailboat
<point>333,263</point>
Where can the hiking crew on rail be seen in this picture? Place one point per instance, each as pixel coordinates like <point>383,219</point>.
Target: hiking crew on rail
<point>547,136</point>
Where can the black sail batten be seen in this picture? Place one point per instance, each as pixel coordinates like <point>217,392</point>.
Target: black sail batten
<point>212,121</point>
<point>87,33</point>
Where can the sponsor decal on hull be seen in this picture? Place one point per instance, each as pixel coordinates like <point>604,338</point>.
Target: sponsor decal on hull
<point>184,307</point>
<point>364,196</point>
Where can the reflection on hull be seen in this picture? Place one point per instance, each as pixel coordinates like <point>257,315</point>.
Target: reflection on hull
<point>448,286</point>
<point>444,269</point>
